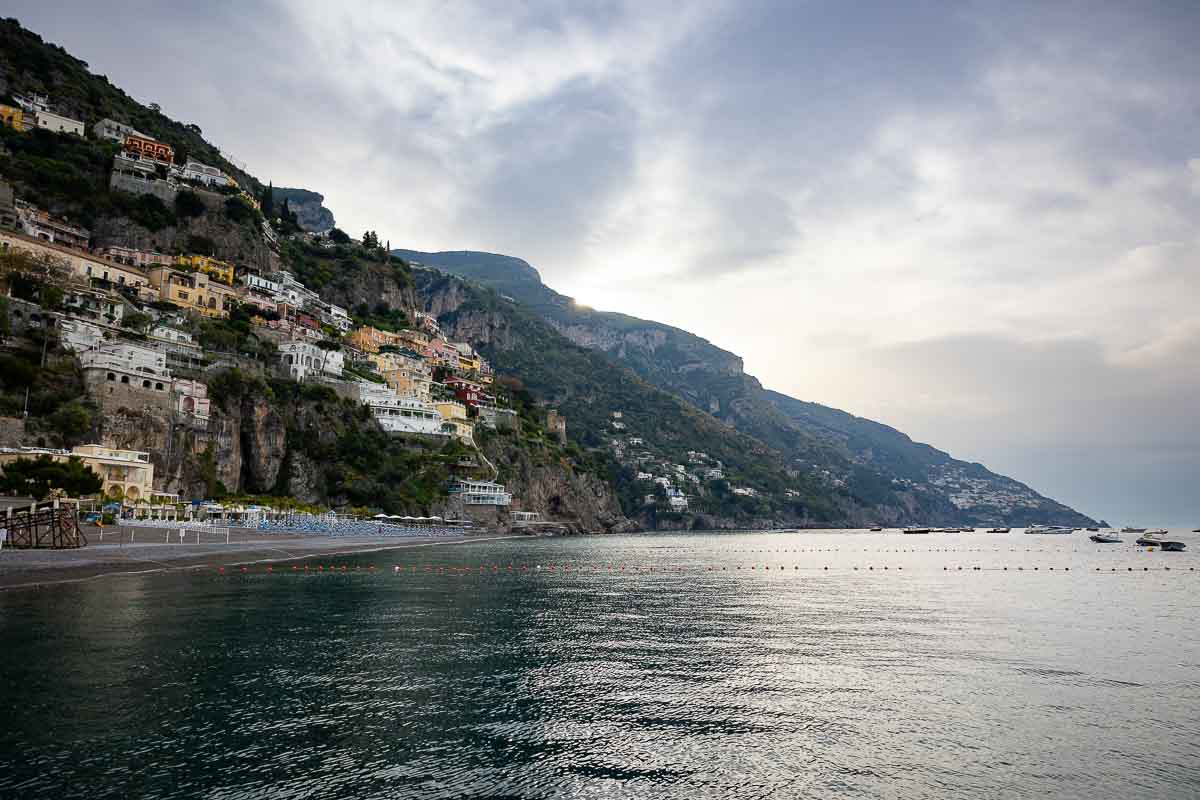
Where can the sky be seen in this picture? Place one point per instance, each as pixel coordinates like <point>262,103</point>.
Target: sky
<point>976,222</point>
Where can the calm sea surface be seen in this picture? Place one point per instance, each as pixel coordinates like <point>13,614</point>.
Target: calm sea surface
<point>639,666</point>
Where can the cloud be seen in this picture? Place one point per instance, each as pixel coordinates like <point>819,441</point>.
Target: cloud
<point>999,199</point>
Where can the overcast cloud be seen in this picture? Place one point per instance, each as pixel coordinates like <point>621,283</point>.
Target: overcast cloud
<point>977,222</point>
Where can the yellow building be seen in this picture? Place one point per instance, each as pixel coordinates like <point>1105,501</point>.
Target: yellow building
<point>126,473</point>
<point>190,290</point>
<point>454,414</point>
<point>218,270</point>
<point>406,372</point>
<point>12,117</point>
<point>369,340</point>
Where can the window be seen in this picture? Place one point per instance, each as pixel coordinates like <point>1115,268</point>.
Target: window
<point>158,386</point>
<point>145,384</point>
<point>124,379</point>
<point>112,377</point>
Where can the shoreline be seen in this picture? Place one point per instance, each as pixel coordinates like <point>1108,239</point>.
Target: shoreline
<point>35,569</point>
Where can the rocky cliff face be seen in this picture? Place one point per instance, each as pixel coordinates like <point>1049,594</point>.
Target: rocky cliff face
<point>582,501</point>
<point>309,208</point>
<point>240,243</point>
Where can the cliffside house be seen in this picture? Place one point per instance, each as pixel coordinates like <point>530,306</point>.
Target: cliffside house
<point>303,360</point>
<point>58,123</point>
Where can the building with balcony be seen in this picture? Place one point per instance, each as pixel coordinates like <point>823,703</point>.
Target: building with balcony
<point>126,363</point>
<point>481,493</point>
<point>214,268</point>
<point>455,420</point>
<point>125,473</point>
<point>397,414</point>
<point>369,340</point>
<point>42,225</point>
<point>192,290</point>
<point>131,257</point>
<point>83,266</point>
<point>201,173</point>
<point>405,372</point>
<point>146,148</point>
<point>304,360</point>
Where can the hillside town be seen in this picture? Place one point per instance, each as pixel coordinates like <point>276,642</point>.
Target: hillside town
<point>129,316</point>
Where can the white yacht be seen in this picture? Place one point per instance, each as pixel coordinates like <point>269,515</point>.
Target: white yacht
<point>1049,529</point>
<point>1128,529</point>
<point>1105,537</point>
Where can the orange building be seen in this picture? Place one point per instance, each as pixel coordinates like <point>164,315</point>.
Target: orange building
<point>149,148</point>
<point>12,117</point>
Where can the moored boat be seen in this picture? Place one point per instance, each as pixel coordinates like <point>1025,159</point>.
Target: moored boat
<point>999,530</point>
<point>1093,530</point>
<point>876,528</point>
<point>1149,540</point>
<point>1049,529</point>
<point>1173,547</point>
<point>1108,537</point>
<point>1128,529</point>
<point>1157,532</point>
<point>916,530</point>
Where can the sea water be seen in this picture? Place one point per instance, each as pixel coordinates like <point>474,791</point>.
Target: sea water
<point>701,665</point>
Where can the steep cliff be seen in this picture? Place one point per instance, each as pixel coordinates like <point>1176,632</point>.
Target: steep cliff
<point>889,479</point>
<point>308,206</point>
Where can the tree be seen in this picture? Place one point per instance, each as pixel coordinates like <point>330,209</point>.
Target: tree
<point>137,321</point>
<point>339,236</point>
<point>71,421</point>
<point>188,205</point>
<point>268,200</point>
<point>37,477</point>
<point>370,240</point>
<point>328,346</point>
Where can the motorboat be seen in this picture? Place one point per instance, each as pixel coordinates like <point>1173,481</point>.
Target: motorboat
<point>1173,547</point>
<point>1049,529</point>
<point>966,530</point>
<point>1157,532</point>
<point>999,530</point>
<point>916,530</point>
<point>876,529</point>
<point>1149,540</point>
<point>1108,537</point>
<point>1093,530</point>
<point>1127,529</point>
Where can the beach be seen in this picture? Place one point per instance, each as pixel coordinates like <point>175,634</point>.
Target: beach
<point>160,550</point>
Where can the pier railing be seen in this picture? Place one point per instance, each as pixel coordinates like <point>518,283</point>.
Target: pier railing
<point>50,525</point>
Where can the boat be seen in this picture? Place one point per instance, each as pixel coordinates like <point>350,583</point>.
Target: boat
<point>1108,537</point>
<point>1149,540</point>
<point>1173,547</point>
<point>916,530</point>
<point>966,530</point>
<point>999,530</point>
<point>1093,530</point>
<point>1127,529</point>
<point>1157,532</point>
<point>876,529</point>
<point>1049,529</point>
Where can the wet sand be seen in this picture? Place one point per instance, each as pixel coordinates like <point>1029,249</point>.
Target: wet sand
<point>153,551</point>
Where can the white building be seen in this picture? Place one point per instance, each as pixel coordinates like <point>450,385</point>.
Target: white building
<point>78,335</point>
<point>33,102</point>
<point>745,491</point>
<point>293,292</point>
<point>482,493</point>
<point>663,482</point>
<point>397,414</point>
<point>58,123</point>
<point>126,363</point>
<point>166,333</point>
<point>115,131</point>
<point>677,500</point>
<point>304,360</point>
<point>338,317</point>
<point>203,173</point>
<point>714,474</point>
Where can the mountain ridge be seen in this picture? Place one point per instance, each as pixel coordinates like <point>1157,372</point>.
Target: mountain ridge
<point>874,461</point>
